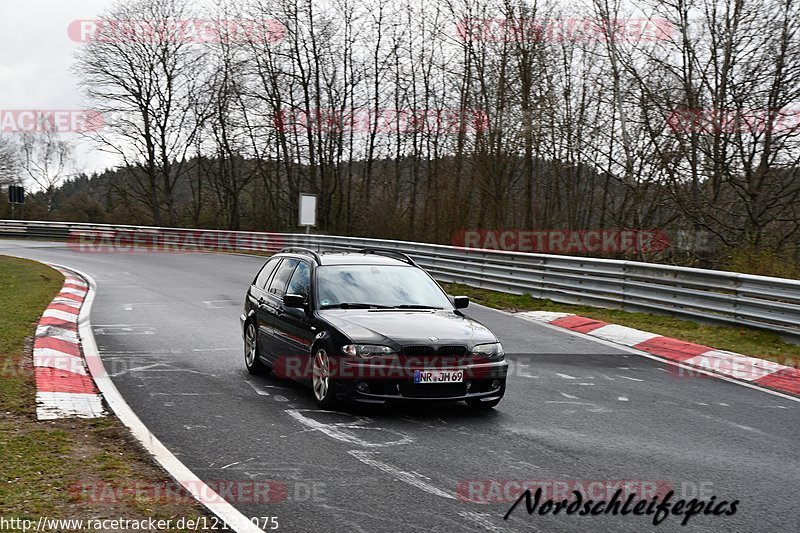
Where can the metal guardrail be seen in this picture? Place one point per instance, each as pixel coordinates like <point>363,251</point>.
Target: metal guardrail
<point>705,295</point>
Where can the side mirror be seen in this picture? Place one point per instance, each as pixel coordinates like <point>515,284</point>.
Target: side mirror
<point>294,300</point>
<point>461,302</point>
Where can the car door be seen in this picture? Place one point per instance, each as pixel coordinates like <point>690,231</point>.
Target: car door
<point>293,329</point>
<point>272,305</point>
<point>257,300</point>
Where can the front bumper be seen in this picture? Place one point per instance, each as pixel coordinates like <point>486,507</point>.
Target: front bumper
<point>478,384</point>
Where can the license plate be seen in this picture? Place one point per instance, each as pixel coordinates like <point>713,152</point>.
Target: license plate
<point>438,376</point>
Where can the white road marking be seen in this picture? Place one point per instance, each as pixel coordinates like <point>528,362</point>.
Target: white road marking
<point>48,358</point>
<point>622,334</point>
<point>54,405</point>
<point>630,378</point>
<point>136,369</point>
<point>565,376</point>
<point>594,407</point>
<point>236,463</point>
<point>185,394</point>
<point>125,330</point>
<point>481,519</point>
<point>546,316</point>
<point>57,333</point>
<point>61,315</point>
<point>412,478</point>
<point>212,304</point>
<point>69,302</point>
<point>339,431</point>
<point>130,306</point>
<point>622,399</point>
<point>74,292</point>
<point>279,398</point>
<point>256,388</point>
<point>570,396</point>
<point>734,365</point>
<point>179,471</point>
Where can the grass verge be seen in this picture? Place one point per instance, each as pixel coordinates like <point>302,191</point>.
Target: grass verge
<point>742,340</point>
<point>44,463</point>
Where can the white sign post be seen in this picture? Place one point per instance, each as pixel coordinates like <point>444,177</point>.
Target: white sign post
<point>308,210</point>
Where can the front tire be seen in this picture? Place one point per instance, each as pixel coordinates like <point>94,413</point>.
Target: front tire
<point>251,359</point>
<point>321,382</point>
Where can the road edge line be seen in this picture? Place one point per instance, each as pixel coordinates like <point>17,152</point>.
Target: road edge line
<point>223,510</point>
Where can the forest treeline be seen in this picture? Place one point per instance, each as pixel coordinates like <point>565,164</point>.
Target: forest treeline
<point>415,120</point>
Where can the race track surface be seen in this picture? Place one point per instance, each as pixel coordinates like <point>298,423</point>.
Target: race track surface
<point>167,326</point>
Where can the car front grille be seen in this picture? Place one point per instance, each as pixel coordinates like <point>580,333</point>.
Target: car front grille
<point>452,351</point>
<point>430,356</point>
<point>419,351</point>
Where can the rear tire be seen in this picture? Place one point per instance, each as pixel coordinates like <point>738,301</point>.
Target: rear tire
<point>322,384</point>
<point>251,359</point>
<point>478,405</point>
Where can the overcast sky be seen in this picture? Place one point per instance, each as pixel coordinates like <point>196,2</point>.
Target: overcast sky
<point>35,59</point>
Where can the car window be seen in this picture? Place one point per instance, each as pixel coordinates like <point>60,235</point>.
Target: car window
<point>266,272</point>
<point>278,283</point>
<point>301,280</point>
<point>386,285</point>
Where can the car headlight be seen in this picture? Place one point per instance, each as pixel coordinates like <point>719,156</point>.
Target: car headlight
<point>493,351</point>
<point>367,351</point>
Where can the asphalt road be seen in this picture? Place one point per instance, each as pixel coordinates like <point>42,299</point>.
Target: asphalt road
<point>576,411</point>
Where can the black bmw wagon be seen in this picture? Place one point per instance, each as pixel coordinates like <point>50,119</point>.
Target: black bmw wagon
<point>370,326</point>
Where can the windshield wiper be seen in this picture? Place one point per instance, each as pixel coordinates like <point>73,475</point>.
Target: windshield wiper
<point>416,306</point>
<point>352,305</point>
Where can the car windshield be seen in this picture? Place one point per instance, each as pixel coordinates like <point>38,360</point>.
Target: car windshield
<point>382,286</point>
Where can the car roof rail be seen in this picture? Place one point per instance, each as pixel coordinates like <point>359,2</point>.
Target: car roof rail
<point>299,250</point>
<point>389,253</point>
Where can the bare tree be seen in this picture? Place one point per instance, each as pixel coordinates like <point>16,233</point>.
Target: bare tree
<point>146,81</point>
<point>574,105</point>
<point>9,162</point>
<point>47,160</point>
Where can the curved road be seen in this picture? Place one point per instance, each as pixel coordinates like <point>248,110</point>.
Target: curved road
<point>576,411</point>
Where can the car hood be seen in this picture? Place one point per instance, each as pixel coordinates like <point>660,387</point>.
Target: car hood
<point>407,327</point>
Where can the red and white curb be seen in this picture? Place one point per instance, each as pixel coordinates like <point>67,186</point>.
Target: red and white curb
<point>733,365</point>
<point>64,388</point>
<point>234,520</point>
